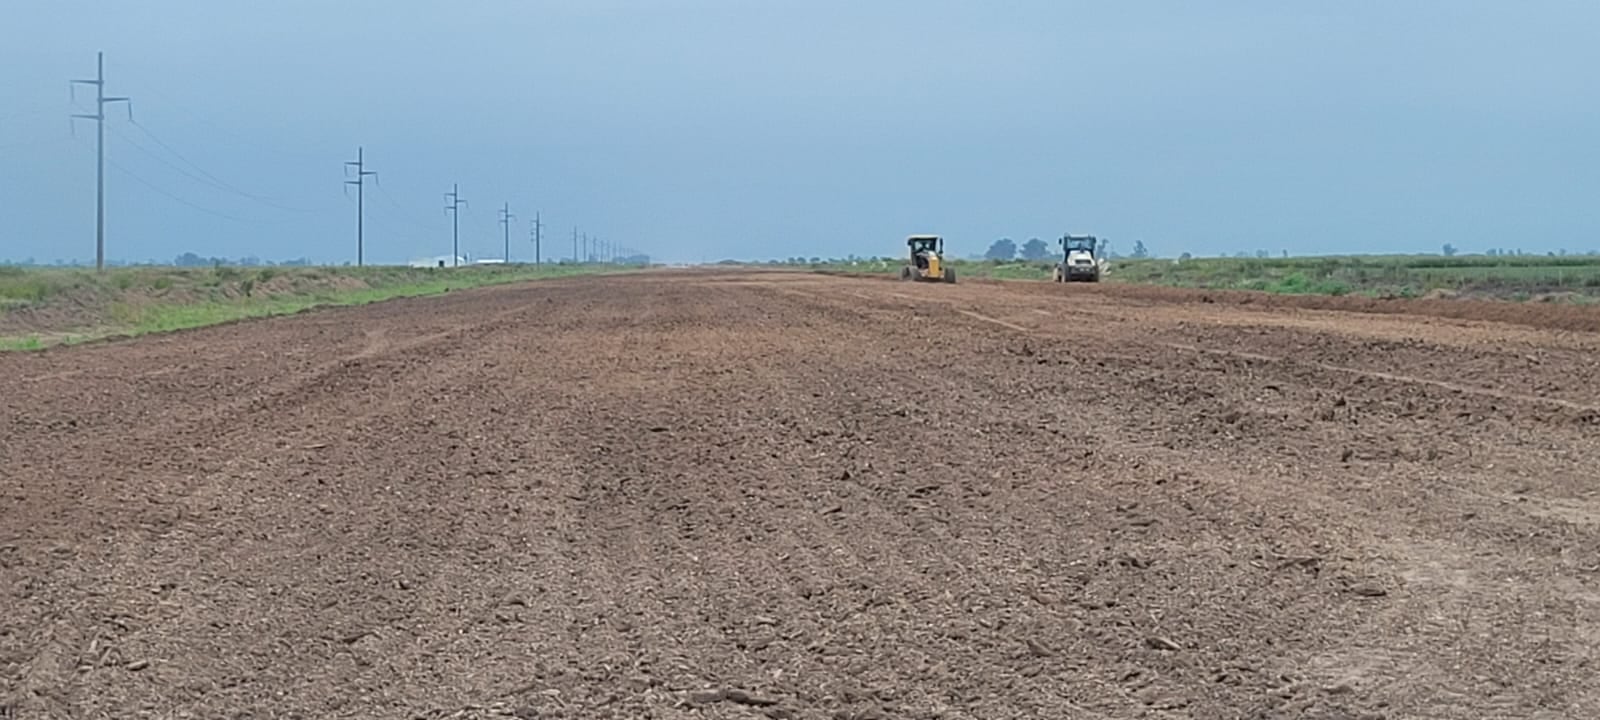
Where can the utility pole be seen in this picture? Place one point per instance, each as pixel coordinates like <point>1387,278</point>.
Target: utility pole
<point>505,220</point>
<point>588,254</point>
<point>538,229</point>
<point>575,244</point>
<point>454,208</point>
<point>99,118</point>
<point>362,172</point>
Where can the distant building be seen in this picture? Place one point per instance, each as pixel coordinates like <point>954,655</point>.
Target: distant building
<point>438,261</point>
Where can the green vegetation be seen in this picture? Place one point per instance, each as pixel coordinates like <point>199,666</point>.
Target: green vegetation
<point>1511,277</point>
<point>31,342</point>
<point>49,306</point>
<point>21,287</point>
<point>1379,275</point>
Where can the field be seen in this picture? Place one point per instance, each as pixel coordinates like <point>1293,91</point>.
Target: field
<point>50,306</point>
<point>1570,278</point>
<point>742,494</point>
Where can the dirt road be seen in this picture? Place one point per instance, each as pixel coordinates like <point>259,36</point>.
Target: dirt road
<point>730,495</point>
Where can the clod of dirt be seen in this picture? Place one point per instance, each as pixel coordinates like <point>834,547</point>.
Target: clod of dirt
<point>1368,590</point>
<point>745,697</point>
<point>1345,456</point>
<point>1160,643</point>
<point>707,697</point>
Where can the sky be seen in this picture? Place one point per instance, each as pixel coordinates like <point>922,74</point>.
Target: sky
<point>699,130</point>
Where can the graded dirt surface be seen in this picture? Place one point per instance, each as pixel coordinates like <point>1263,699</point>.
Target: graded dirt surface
<point>746,495</point>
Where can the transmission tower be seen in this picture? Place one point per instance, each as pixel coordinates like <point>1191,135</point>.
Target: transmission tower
<point>538,235</point>
<point>99,118</point>
<point>505,220</point>
<point>454,208</point>
<point>360,182</point>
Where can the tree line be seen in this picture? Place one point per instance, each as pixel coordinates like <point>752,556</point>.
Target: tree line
<point>1035,250</point>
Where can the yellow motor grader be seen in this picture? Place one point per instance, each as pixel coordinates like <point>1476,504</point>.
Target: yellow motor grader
<point>927,260</point>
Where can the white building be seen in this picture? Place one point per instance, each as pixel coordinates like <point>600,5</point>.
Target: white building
<point>438,261</point>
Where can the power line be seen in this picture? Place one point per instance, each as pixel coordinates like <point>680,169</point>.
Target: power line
<point>135,177</point>
<point>170,195</point>
<point>165,161</point>
<point>401,210</point>
<point>211,179</point>
<point>191,176</point>
<point>362,173</point>
<point>99,118</point>
<point>208,179</point>
<point>240,139</point>
<point>398,231</point>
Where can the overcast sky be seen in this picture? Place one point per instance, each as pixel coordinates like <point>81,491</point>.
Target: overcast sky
<point>709,129</point>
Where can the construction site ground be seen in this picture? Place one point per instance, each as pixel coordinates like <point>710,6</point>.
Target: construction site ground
<point>686,494</point>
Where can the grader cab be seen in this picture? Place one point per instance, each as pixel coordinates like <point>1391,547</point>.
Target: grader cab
<point>927,261</point>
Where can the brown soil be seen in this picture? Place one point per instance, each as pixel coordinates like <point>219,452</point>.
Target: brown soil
<point>746,495</point>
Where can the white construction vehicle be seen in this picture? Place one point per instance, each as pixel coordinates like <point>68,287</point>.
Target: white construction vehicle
<point>1078,262</point>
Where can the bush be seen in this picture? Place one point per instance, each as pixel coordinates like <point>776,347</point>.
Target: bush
<point>24,286</point>
<point>1330,287</point>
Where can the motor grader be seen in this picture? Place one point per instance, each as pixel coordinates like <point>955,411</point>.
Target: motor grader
<point>927,261</point>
